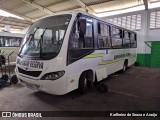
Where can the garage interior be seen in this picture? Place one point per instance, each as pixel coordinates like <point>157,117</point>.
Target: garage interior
<point>137,89</point>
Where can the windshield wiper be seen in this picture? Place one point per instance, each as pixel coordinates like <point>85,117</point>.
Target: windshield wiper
<point>29,38</point>
<point>33,35</point>
<point>41,42</point>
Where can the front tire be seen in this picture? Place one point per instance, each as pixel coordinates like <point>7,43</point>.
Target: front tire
<point>82,84</point>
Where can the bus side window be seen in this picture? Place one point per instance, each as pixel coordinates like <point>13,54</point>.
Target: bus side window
<point>10,41</point>
<point>15,42</point>
<point>78,41</point>
<point>89,36</point>
<point>1,42</point>
<point>133,40</point>
<point>103,35</point>
<point>116,37</point>
<point>126,39</point>
<point>74,37</point>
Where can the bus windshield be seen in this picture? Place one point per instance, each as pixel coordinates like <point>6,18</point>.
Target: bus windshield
<point>45,37</point>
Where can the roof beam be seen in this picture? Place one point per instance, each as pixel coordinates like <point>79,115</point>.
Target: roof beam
<point>2,19</point>
<point>15,22</point>
<point>49,5</point>
<point>2,1</point>
<point>87,8</point>
<point>22,16</point>
<point>145,4</point>
<point>55,3</point>
<point>39,7</point>
<point>18,5</point>
<point>13,25</point>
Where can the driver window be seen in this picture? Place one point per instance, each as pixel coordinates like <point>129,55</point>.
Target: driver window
<point>78,41</point>
<point>74,37</point>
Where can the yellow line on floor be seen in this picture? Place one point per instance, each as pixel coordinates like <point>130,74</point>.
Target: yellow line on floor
<point>124,93</point>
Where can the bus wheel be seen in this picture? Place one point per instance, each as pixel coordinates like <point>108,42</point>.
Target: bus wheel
<point>125,65</point>
<point>82,83</point>
<point>89,79</point>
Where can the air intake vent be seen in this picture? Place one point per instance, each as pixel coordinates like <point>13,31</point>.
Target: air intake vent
<point>30,73</point>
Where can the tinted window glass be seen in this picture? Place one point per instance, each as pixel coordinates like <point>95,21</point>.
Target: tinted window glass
<point>116,37</point>
<point>133,40</point>
<point>45,36</point>
<point>10,41</point>
<point>126,39</point>
<point>89,36</point>
<point>103,36</point>
<point>82,41</point>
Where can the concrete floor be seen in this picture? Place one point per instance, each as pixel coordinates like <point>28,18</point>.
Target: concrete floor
<point>136,90</point>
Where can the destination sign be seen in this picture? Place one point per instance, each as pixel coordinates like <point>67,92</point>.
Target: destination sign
<point>30,63</point>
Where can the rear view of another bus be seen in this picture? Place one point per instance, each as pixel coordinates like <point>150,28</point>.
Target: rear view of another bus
<point>10,43</point>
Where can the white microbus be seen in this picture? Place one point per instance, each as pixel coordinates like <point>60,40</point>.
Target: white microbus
<point>10,43</point>
<point>71,50</point>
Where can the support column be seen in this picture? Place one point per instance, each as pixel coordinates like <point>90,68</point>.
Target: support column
<point>144,50</point>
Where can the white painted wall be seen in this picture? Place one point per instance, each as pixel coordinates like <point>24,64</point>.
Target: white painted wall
<point>145,34</point>
<point>154,35</point>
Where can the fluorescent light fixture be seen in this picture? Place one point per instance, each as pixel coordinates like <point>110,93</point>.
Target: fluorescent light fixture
<point>133,9</point>
<point>154,5</point>
<point>7,14</point>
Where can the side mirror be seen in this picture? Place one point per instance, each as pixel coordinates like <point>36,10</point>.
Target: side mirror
<point>82,26</point>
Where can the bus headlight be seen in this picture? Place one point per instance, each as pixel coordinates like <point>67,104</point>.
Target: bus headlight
<point>53,75</point>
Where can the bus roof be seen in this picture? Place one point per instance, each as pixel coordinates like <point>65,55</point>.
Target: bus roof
<point>84,13</point>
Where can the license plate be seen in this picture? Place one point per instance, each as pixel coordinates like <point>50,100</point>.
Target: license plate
<point>31,86</point>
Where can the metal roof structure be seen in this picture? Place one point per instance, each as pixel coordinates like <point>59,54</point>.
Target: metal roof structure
<point>31,10</point>
<point>14,23</point>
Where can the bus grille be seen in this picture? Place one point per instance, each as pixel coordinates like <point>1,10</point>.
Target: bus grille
<point>30,73</point>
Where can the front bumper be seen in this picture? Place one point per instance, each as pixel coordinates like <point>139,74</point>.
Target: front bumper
<point>56,87</point>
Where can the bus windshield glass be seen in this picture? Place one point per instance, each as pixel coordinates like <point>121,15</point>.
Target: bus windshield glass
<point>45,37</point>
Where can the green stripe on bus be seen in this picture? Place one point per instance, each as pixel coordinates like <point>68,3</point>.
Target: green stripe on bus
<point>113,61</point>
<point>94,55</point>
<point>8,48</point>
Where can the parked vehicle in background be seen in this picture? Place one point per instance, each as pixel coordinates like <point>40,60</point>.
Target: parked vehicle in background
<point>10,42</point>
